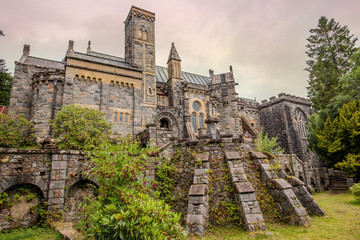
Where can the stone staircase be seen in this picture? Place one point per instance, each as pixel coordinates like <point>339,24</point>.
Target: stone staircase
<point>245,194</point>
<point>286,200</point>
<point>198,207</point>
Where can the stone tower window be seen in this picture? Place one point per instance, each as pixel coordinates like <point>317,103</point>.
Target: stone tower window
<point>115,117</point>
<point>126,117</point>
<point>149,91</point>
<point>300,123</point>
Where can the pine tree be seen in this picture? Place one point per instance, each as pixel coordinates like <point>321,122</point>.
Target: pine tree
<point>5,84</point>
<point>329,49</point>
<point>5,81</point>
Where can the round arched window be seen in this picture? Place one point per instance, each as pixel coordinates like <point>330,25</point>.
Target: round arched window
<point>196,106</point>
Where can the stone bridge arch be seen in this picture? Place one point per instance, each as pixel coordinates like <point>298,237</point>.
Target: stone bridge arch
<point>24,179</point>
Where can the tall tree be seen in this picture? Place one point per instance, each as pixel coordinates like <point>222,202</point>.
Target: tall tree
<point>329,49</point>
<point>5,84</point>
<point>5,81</point>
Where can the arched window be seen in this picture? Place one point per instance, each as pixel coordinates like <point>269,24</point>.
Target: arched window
<point>193,121</point>
<point>201,120</point>
<point>300,123</point>
<point>197,116</point>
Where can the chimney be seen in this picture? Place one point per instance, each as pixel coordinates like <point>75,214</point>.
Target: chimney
<point>70,50</point>
<point>26,52</point>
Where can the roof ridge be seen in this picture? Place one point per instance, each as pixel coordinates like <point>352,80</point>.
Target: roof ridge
<point>50,60</point>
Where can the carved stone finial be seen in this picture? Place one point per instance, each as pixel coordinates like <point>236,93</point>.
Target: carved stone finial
<point>89,48</point>
<point>211,72</point>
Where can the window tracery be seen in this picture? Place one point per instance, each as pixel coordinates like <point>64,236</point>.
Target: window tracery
<point>300,123</point>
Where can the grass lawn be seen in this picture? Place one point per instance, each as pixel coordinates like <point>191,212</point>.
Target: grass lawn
<point>34,233</point>
<point>342,221</point>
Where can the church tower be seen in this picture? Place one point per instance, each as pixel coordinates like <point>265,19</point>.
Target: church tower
<point>140,49</point>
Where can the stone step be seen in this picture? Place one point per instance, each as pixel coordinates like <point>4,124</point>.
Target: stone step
<point>245,195</point>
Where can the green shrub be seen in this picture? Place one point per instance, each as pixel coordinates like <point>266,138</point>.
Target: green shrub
<point>124,208</point>
<point>355,190</point>
<point>165,175</point>
<point>264,144</point>
<point>80,128</point>
<point>15,131</point>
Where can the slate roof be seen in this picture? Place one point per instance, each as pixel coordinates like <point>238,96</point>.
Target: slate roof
<point>102,58</point>
<point>162,76</point>
<point>45,63</point>
<point>161,72</point>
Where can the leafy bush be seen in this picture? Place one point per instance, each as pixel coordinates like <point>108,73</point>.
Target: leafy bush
<point>80,128</point>
<point>339,138</point>
<point>355,190</point>
<point>165,174</point>
<point>124,209</point>
<point>15,131</point>
<point>264,144</point>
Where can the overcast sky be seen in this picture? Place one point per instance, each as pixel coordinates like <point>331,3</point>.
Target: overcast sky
<point>264,40</point>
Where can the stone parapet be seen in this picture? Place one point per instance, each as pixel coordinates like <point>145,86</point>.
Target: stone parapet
<point>284,97</point>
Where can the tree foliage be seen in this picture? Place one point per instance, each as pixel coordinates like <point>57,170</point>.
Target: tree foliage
<point>5,84</point>
<point>80,128</point>
<point>339,139</point>
<point>5,81</point>
<point>264,143</point>
<point>329,50</point>
<point>124,209</point>
<point>15,131</point>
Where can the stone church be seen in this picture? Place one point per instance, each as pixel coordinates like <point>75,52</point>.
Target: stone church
<point>164,104</point>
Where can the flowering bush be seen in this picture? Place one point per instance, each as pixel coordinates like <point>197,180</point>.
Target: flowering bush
<point>124,208</point>
<point>15,131</point>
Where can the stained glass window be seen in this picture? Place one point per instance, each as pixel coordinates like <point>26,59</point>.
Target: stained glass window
<point>193,122</point>
<point>201,121</point>
<point>196,106</point>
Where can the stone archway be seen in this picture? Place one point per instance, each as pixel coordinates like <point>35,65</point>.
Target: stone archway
<point>167,120</point>
<point>20,206</point>
<point>79,192</point>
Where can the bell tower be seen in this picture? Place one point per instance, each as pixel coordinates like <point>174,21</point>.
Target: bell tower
<point>140,49</point>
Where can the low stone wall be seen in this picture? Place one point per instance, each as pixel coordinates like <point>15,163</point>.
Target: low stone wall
<point>55,176</point>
